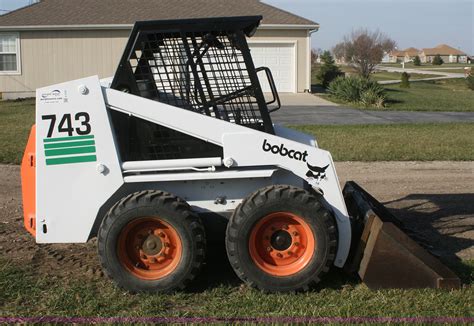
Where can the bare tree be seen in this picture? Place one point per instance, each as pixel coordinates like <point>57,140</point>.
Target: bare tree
<point>364,49</point>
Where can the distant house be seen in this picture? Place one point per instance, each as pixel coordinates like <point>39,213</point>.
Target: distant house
<point>411,53</point>
<point>448,53</point>
<point>406,55</point>
<point>395,56</point>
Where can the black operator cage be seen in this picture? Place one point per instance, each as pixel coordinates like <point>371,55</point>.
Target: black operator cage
<point>201,65</point>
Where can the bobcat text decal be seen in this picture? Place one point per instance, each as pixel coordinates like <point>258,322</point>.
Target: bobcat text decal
<point>283,151</point>
<point>315,173</point>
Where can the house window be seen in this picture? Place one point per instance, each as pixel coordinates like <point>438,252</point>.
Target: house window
<point>9,53</point>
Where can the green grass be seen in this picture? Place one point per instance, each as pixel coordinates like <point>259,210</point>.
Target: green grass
<point>448,95</point>
<point>439,95</point>
<point>453,70</point>
<point>16,119</point>
<point>377,75</point>
<point>385,75</point>
<point>426,66</point>
<point>27,293</point>
<point>396,142</point>
<point>347,143</point>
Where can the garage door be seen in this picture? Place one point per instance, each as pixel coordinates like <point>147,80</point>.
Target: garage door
<point>280,58</point>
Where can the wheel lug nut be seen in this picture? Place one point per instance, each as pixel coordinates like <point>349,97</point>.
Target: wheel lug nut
<point>167,245</point>
<point>143,256</point>
<point>290,253</point>
<point>297,244</point>
<point>162,234</point>
<point>279,255</point>
<point>153,260</point>
<point>295,233</point>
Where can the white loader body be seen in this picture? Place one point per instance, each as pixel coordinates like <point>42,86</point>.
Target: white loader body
<point>178,149</point>
<point>78,169</point>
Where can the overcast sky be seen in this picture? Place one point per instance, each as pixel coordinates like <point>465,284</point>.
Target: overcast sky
<point>6,5</point>
<point>417,23</point>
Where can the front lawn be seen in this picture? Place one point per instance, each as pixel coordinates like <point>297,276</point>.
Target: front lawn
<point>378,75</point>
<point>443,141</point>
<point>396,142</point>
<point>16,119</point>
<point>426,66</point>
<point>448,95</point>
<point>439,95</point>
<point>450,70</point>
<point>386,75</point>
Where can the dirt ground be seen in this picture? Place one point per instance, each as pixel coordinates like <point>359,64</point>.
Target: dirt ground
<point>435,198</point>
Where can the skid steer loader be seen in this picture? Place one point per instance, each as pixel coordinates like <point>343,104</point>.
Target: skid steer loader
<point>179,147</point>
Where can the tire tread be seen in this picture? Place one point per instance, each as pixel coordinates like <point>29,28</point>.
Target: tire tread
<point>280,192</point>
<point>168,202</point>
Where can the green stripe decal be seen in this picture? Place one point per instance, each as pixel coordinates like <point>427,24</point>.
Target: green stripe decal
<point>52,140</point>
<point>70,144</point>
<point>69,151</point>
<point>70,160</point>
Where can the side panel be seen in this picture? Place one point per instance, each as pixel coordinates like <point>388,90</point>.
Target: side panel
<point>77,168</point>
<point>249,148</point>
<point>312,164</point>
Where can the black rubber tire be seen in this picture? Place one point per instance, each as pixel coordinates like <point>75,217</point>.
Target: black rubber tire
<point>172,210</point>
<point>272,199</point>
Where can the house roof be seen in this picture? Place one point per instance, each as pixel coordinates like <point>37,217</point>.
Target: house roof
<point>443,49</point>
<point>50,13</point>
<point>411,52</point>
<point>396,53</point>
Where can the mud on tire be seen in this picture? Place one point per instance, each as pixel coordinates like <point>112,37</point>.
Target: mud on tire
<point>281,238</point>
<point>151,241</point>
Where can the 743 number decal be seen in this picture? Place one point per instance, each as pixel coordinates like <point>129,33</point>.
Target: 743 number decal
<point>66,125</point>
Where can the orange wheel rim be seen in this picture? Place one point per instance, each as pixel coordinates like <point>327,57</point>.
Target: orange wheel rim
<point>149,248</point>
<point>281,244</point>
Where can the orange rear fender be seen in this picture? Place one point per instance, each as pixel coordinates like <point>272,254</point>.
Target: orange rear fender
<point>28,183</point>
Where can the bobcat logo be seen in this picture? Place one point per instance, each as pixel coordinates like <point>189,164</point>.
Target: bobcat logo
<point>316,172</point>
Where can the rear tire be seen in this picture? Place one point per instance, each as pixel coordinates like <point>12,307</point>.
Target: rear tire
<point>151,241</point>
<point>281,238</point>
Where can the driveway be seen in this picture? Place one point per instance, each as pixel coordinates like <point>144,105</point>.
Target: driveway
<point>304,109</point>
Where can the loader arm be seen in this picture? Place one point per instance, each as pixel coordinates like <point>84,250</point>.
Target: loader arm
<point>245,147</point>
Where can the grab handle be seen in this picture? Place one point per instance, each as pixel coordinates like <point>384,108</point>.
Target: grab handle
<point>271,82</point>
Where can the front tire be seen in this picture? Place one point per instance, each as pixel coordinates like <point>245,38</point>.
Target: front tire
<point>151,241</point>
<point>281,238</point>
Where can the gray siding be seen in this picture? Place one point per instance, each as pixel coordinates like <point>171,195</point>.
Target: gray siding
<point>51,57</point>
